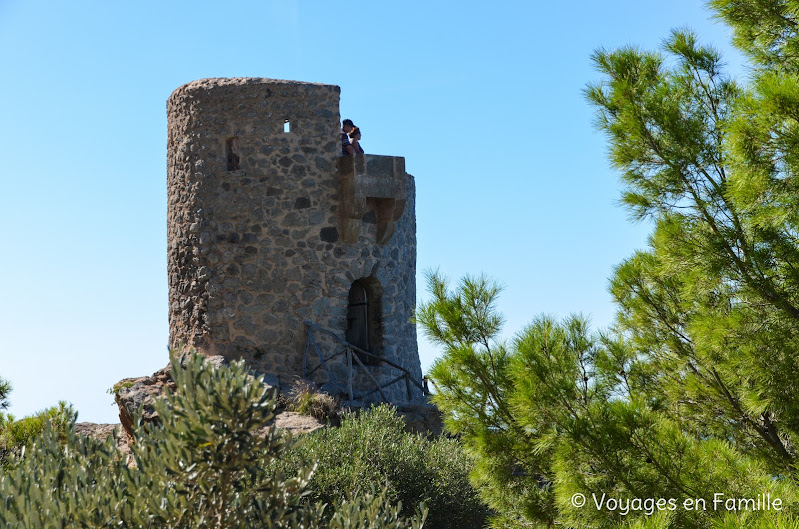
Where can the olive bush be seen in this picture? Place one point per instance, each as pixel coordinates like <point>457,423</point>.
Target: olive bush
<point>204,466</point>
<point>372,451</point>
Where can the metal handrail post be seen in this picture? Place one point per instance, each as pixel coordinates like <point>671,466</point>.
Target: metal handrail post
<point>349,373</point>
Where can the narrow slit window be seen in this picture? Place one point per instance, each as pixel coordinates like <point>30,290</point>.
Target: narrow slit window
<point>286,125</point>
<point>233,156</point>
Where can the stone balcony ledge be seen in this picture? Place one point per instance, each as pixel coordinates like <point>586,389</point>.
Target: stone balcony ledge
<point>371,182</point>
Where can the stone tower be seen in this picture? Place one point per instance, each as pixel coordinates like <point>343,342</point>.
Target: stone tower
<point>269,228</point>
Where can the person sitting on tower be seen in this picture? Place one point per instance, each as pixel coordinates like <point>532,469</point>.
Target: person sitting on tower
<point>346,127</point>
<point>355,138</point>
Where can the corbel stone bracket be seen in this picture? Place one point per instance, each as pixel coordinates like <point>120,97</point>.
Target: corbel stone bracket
<point>370,182</point>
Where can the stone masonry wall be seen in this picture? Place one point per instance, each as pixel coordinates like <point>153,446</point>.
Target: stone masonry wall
<point>253,238</point>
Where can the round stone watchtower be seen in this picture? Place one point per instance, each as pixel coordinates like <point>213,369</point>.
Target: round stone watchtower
<point>282,252</point>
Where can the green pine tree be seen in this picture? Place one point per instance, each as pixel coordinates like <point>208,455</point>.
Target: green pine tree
<point>694,390</point>
<point>5,389</point>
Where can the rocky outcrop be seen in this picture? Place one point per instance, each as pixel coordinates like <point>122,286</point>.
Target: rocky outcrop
<point>132,394</point>
<point>139,394</point>
<point>296,423</point>
<point>104,431</point>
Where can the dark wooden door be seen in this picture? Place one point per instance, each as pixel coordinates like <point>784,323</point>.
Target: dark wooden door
<point>358,317</point>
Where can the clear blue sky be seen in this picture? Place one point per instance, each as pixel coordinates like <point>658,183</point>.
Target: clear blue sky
<point>483,100</point>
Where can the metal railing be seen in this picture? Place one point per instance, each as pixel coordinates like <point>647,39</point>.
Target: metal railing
<point>352,353</point>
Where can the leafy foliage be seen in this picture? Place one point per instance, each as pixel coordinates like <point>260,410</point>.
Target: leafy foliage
<point>372,451</point>
<point>16,434</point>
<point>306,399</point>
<point>560,411</point>
<point>715,301</point>
<point>203,466</point>
<point>5,389</point>
<point>693,391</point>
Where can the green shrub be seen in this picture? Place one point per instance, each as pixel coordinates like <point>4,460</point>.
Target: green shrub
<point>5,389</point>
<point>18,433</point>
<point>372,450</point>
<point>202,467</point>
<point>119,386</point>
<point>305,399</point>
<point>370,511</point>
<point>80,483</point>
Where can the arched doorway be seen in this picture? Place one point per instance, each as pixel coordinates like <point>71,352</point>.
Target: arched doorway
<point>364,328</point>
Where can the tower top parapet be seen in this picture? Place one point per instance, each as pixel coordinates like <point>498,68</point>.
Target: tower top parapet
<point>212,83</point>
